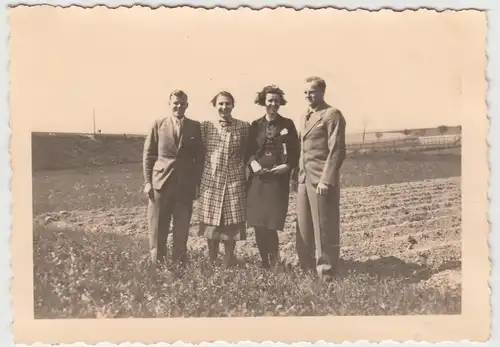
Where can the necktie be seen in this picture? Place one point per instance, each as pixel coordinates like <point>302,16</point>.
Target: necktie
<point>177,127</point>
<point>308,116</point>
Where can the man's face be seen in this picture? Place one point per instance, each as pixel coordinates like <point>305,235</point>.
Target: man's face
<point>178,105</point>
<point>313,94</point>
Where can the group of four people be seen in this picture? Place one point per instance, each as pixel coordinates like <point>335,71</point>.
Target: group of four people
<point>240,174</point>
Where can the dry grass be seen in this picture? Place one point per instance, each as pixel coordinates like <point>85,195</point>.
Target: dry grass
<point>400,251</point>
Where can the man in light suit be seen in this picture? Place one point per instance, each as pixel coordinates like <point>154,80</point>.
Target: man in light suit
<point>172,164</point>
<point>322,137</point>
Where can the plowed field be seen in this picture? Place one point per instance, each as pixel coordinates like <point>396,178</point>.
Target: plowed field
<point>400,253</point>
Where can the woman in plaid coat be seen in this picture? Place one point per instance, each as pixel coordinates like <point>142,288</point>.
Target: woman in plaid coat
<point>222,209</point>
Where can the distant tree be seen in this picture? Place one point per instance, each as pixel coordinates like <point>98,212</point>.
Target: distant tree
<point>406,132</point>
<point>442,129</point>
<point>378,135</point>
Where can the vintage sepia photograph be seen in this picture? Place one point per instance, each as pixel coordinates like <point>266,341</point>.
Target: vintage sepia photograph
<point>179,163</point>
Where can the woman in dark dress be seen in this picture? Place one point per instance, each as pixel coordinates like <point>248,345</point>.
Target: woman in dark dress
<point>273,151</point>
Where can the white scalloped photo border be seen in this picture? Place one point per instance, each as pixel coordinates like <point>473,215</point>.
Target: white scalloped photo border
<point>493,101</point>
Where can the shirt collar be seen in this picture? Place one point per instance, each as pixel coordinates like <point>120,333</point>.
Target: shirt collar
<point>271,121</point>
<point>320,107</point>
<point>180,119</point>
<point>225,120</point>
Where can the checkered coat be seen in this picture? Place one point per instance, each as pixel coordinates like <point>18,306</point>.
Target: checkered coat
<point>223,182</point>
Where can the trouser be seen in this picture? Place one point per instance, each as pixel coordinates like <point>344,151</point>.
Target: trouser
<point>318,228</point>
<point>268,245</point>
<point>169,203</point>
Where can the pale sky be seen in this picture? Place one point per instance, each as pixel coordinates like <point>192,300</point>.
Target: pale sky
<point>388,70</point>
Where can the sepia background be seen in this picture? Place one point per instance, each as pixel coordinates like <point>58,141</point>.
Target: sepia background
<point>385,70</point>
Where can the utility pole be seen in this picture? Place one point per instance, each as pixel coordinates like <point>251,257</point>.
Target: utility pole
<point>364,129</point>
<point>93,116</point>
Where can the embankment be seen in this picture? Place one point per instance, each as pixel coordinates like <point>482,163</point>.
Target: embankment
<point>60,151</point>
<point>70,151</point>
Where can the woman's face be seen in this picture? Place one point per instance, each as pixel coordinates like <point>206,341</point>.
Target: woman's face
<point>224,105</point>
<point>272,102</point>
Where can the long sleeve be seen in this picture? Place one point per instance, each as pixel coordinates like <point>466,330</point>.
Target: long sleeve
<point>293,146</point>
<point>245,133</point>
<point>199,154</point>
<point>336,126</point>
<point>296,169</point>
<point>150,152</point>
<point>203,130</point>
<point>252,146</point>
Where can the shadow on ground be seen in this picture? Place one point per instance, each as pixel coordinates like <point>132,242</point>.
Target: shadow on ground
<point>393,267</point>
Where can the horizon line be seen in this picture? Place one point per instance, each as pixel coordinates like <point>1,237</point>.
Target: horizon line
<point>347,133</point>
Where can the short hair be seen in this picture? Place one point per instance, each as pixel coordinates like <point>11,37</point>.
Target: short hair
<point>222,93</point>
<point>260,99</point>
<point>318,81</point>
<point>178,93</point>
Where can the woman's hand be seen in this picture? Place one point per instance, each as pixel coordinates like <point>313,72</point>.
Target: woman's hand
<point>255,166</point>
<point>280,169</point>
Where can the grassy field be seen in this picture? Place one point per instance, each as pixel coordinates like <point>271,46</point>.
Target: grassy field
<point>401,251</point>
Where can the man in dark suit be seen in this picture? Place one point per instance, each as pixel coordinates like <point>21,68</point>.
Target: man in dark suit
<point>322,137</point>
<point>172,164</point>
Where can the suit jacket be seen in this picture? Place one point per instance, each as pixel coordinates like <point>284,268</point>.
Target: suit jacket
<point>257,137</point>
<point>323,146</point>
<point>164,157</point>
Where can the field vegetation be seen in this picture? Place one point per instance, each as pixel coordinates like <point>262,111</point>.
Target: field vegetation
<point>401,251</point>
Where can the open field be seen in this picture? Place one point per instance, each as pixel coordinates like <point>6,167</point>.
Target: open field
<point>88,188</point>
<point>81,150</point>
<point>401,251</point>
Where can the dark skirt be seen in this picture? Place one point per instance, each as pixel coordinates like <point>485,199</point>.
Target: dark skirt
<point>267,201</point>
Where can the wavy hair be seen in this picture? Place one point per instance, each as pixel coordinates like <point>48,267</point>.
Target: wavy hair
<point>260,99</point>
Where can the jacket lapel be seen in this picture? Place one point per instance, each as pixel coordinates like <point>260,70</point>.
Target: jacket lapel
<point>184,129</point>
<point>261,135</point>
<point>168,129</point>
<point>315,118</point>
<point>279,124</point>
